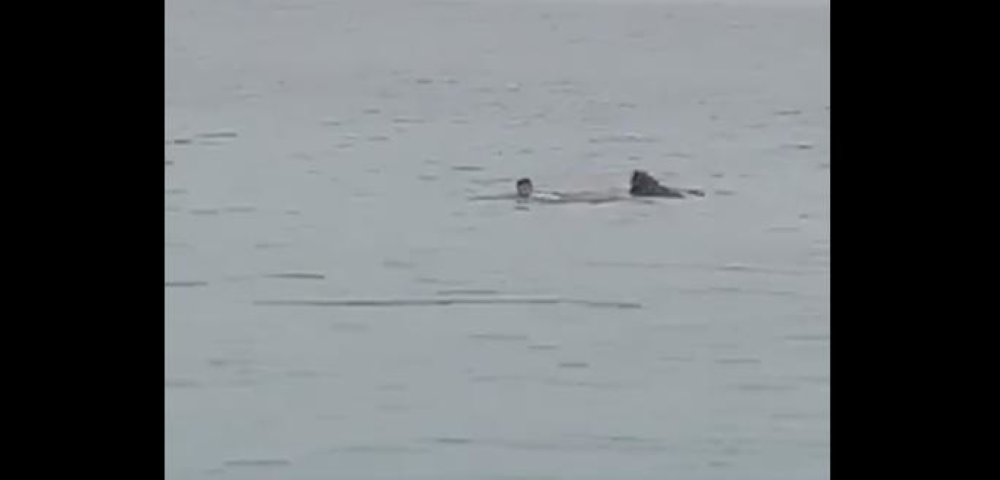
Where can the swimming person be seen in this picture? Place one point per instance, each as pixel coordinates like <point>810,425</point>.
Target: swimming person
<point>642,185</point>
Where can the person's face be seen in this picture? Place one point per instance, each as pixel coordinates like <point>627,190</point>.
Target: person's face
<point>524,189</point>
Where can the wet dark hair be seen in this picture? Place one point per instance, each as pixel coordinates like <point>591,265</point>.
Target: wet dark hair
<point>523,181</point>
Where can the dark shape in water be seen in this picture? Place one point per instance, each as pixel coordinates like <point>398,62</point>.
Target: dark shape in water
<point>644,185</point>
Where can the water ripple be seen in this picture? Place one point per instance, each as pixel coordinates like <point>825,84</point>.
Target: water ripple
<point>446,302</point>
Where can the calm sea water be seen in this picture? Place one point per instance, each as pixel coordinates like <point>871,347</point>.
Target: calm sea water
<point>338,308</point>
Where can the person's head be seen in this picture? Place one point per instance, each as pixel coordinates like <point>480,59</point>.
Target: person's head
<point>524,187</point>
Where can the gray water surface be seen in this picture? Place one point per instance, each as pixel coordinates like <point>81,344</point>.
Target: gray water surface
<point>337,307</point>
